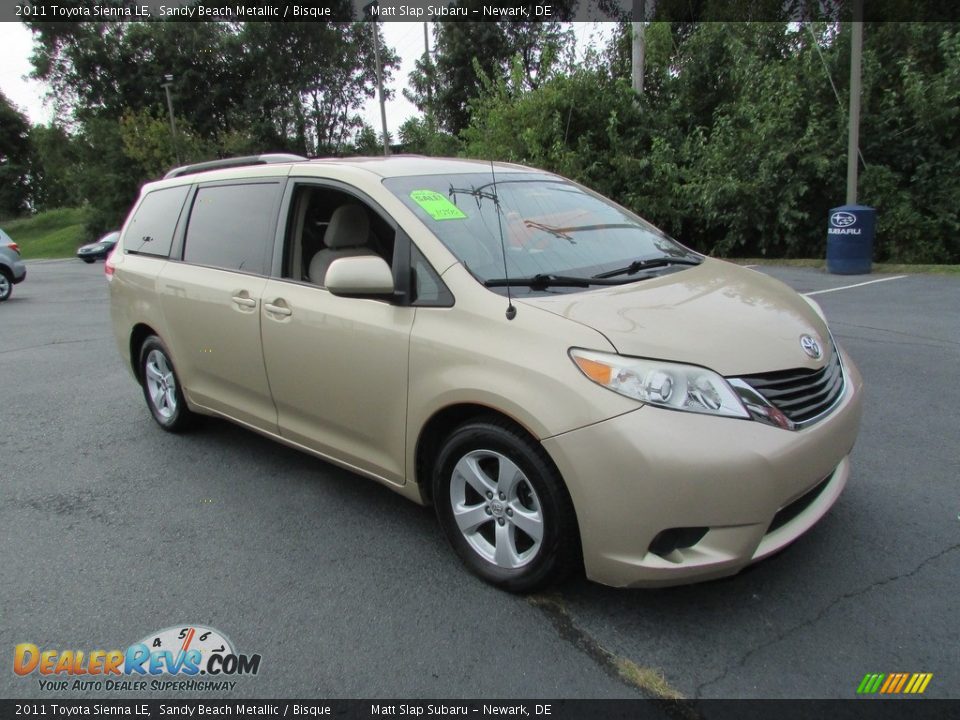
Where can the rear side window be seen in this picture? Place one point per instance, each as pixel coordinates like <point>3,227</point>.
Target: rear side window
<point>151,230</point>
<point>232,227</point>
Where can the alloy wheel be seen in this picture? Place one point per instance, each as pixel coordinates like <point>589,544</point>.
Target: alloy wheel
<point>496,509</point>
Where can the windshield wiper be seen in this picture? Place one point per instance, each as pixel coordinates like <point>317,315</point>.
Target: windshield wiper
<point>541,281</point>
<point>638,265</point>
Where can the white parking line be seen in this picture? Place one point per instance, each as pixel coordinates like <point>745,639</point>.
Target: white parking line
<point>847,287</point>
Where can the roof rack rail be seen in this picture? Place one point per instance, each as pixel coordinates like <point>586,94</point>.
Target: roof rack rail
<point>233,162</point>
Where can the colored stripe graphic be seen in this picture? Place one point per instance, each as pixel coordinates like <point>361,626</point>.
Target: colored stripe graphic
<point>914,683</point>
<point>894,683</point>
<point>870,683</point>
<point>891,678</point>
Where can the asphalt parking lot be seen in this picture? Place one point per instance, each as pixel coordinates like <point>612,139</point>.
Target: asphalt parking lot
<point>111,529</point>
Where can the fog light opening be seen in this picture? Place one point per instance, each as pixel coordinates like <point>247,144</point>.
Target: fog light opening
<point>673,539</point>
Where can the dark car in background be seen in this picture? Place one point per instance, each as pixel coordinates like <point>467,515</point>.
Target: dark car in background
<point>12,269</point>
<point>100,249</point>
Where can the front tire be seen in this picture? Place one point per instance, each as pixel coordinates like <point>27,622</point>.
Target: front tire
<point>504,508</point>
<point>161,387</point>
<point>88,260</point>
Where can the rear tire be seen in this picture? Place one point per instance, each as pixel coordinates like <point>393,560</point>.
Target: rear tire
<point>161,387</point>
<point>504,508</point>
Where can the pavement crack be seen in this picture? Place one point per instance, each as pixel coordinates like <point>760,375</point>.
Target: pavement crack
<point>899,343</point>
<point>914,336</point>
<point>53,342</point>
<point>821,614</point>
<point>650,682</point>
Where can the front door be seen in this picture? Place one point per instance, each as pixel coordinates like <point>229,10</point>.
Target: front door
<point>337,366</point>
<point>338,372</point>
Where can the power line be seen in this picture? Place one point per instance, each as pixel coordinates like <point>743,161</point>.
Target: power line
<point>833,85</point>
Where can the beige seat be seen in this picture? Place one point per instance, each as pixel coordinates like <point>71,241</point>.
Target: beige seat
<point>346,236</point>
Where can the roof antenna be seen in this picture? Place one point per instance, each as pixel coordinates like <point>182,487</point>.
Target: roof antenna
<point>511,309</point>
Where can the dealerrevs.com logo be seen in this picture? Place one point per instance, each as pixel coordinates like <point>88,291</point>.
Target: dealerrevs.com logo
<point>178,658</point>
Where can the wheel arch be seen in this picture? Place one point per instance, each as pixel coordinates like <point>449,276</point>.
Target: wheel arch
<point>139,334</point>
<point>443,422</point>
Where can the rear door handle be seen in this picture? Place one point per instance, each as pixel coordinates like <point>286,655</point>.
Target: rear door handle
<point>244,301</point>
<point>278,309</point>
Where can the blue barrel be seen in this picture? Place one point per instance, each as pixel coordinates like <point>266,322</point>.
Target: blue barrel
<point>850,233</point>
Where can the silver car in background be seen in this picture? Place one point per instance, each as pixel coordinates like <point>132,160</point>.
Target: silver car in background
<point>12,269</point>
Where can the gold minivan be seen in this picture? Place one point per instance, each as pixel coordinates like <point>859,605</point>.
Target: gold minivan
<point>565,384</point>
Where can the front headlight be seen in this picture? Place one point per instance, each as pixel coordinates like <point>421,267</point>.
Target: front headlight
<point>664,384</point>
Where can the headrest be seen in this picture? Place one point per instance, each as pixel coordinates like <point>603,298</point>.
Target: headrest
<point>349,227</point>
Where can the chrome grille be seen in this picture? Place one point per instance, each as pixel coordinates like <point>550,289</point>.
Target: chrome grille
<point>801,394</point>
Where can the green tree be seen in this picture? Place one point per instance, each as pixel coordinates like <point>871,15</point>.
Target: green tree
<point>16,161</point>
<point>467,52</point>
<point>107,178</point>
<point>108,69</point>
<point>421,136</point>
<point>57,157</point>
<point>308,82</point>
<point>238,88</point>
<point>148,142</point>
<point>910,139</point>
<point>367,142</point>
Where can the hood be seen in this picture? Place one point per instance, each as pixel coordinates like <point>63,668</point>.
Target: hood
<point>730,319</point>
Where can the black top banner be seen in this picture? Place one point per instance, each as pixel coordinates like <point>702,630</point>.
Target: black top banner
<point>861,709</point>
<point>477,10</point>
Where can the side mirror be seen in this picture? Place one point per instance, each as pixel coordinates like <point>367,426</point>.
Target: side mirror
<point>360,276</point>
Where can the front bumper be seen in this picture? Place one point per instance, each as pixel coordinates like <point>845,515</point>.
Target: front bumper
<point>651,470</point>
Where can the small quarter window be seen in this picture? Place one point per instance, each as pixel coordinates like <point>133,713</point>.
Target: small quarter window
<point>151,229</point>
<point>428,288</point>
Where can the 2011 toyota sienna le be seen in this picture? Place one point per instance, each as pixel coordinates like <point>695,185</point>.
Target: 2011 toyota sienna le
<point>563,382</point>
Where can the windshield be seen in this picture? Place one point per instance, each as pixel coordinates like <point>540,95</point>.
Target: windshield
<point>550,226</point>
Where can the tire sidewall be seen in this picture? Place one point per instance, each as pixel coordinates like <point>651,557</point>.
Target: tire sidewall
<point>8,291</point>
<point>553,557</point>
<point>179,419</point>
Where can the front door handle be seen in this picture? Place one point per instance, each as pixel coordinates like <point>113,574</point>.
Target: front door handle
<point>278,309</point>
<point>244,301</point>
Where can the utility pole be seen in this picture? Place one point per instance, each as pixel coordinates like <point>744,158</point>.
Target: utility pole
<point>638,45</point>
<point>383,106</point>
<point>173,123</point>
<point>853,137</point>
<point>429,72</point>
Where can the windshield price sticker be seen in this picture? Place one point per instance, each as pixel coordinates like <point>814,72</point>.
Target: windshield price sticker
<point>436,205</point>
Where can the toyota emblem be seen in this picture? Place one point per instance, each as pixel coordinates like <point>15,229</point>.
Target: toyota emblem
<point>810,346</point>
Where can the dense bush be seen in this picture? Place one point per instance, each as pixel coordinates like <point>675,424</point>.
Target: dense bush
<point>739,146</point>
